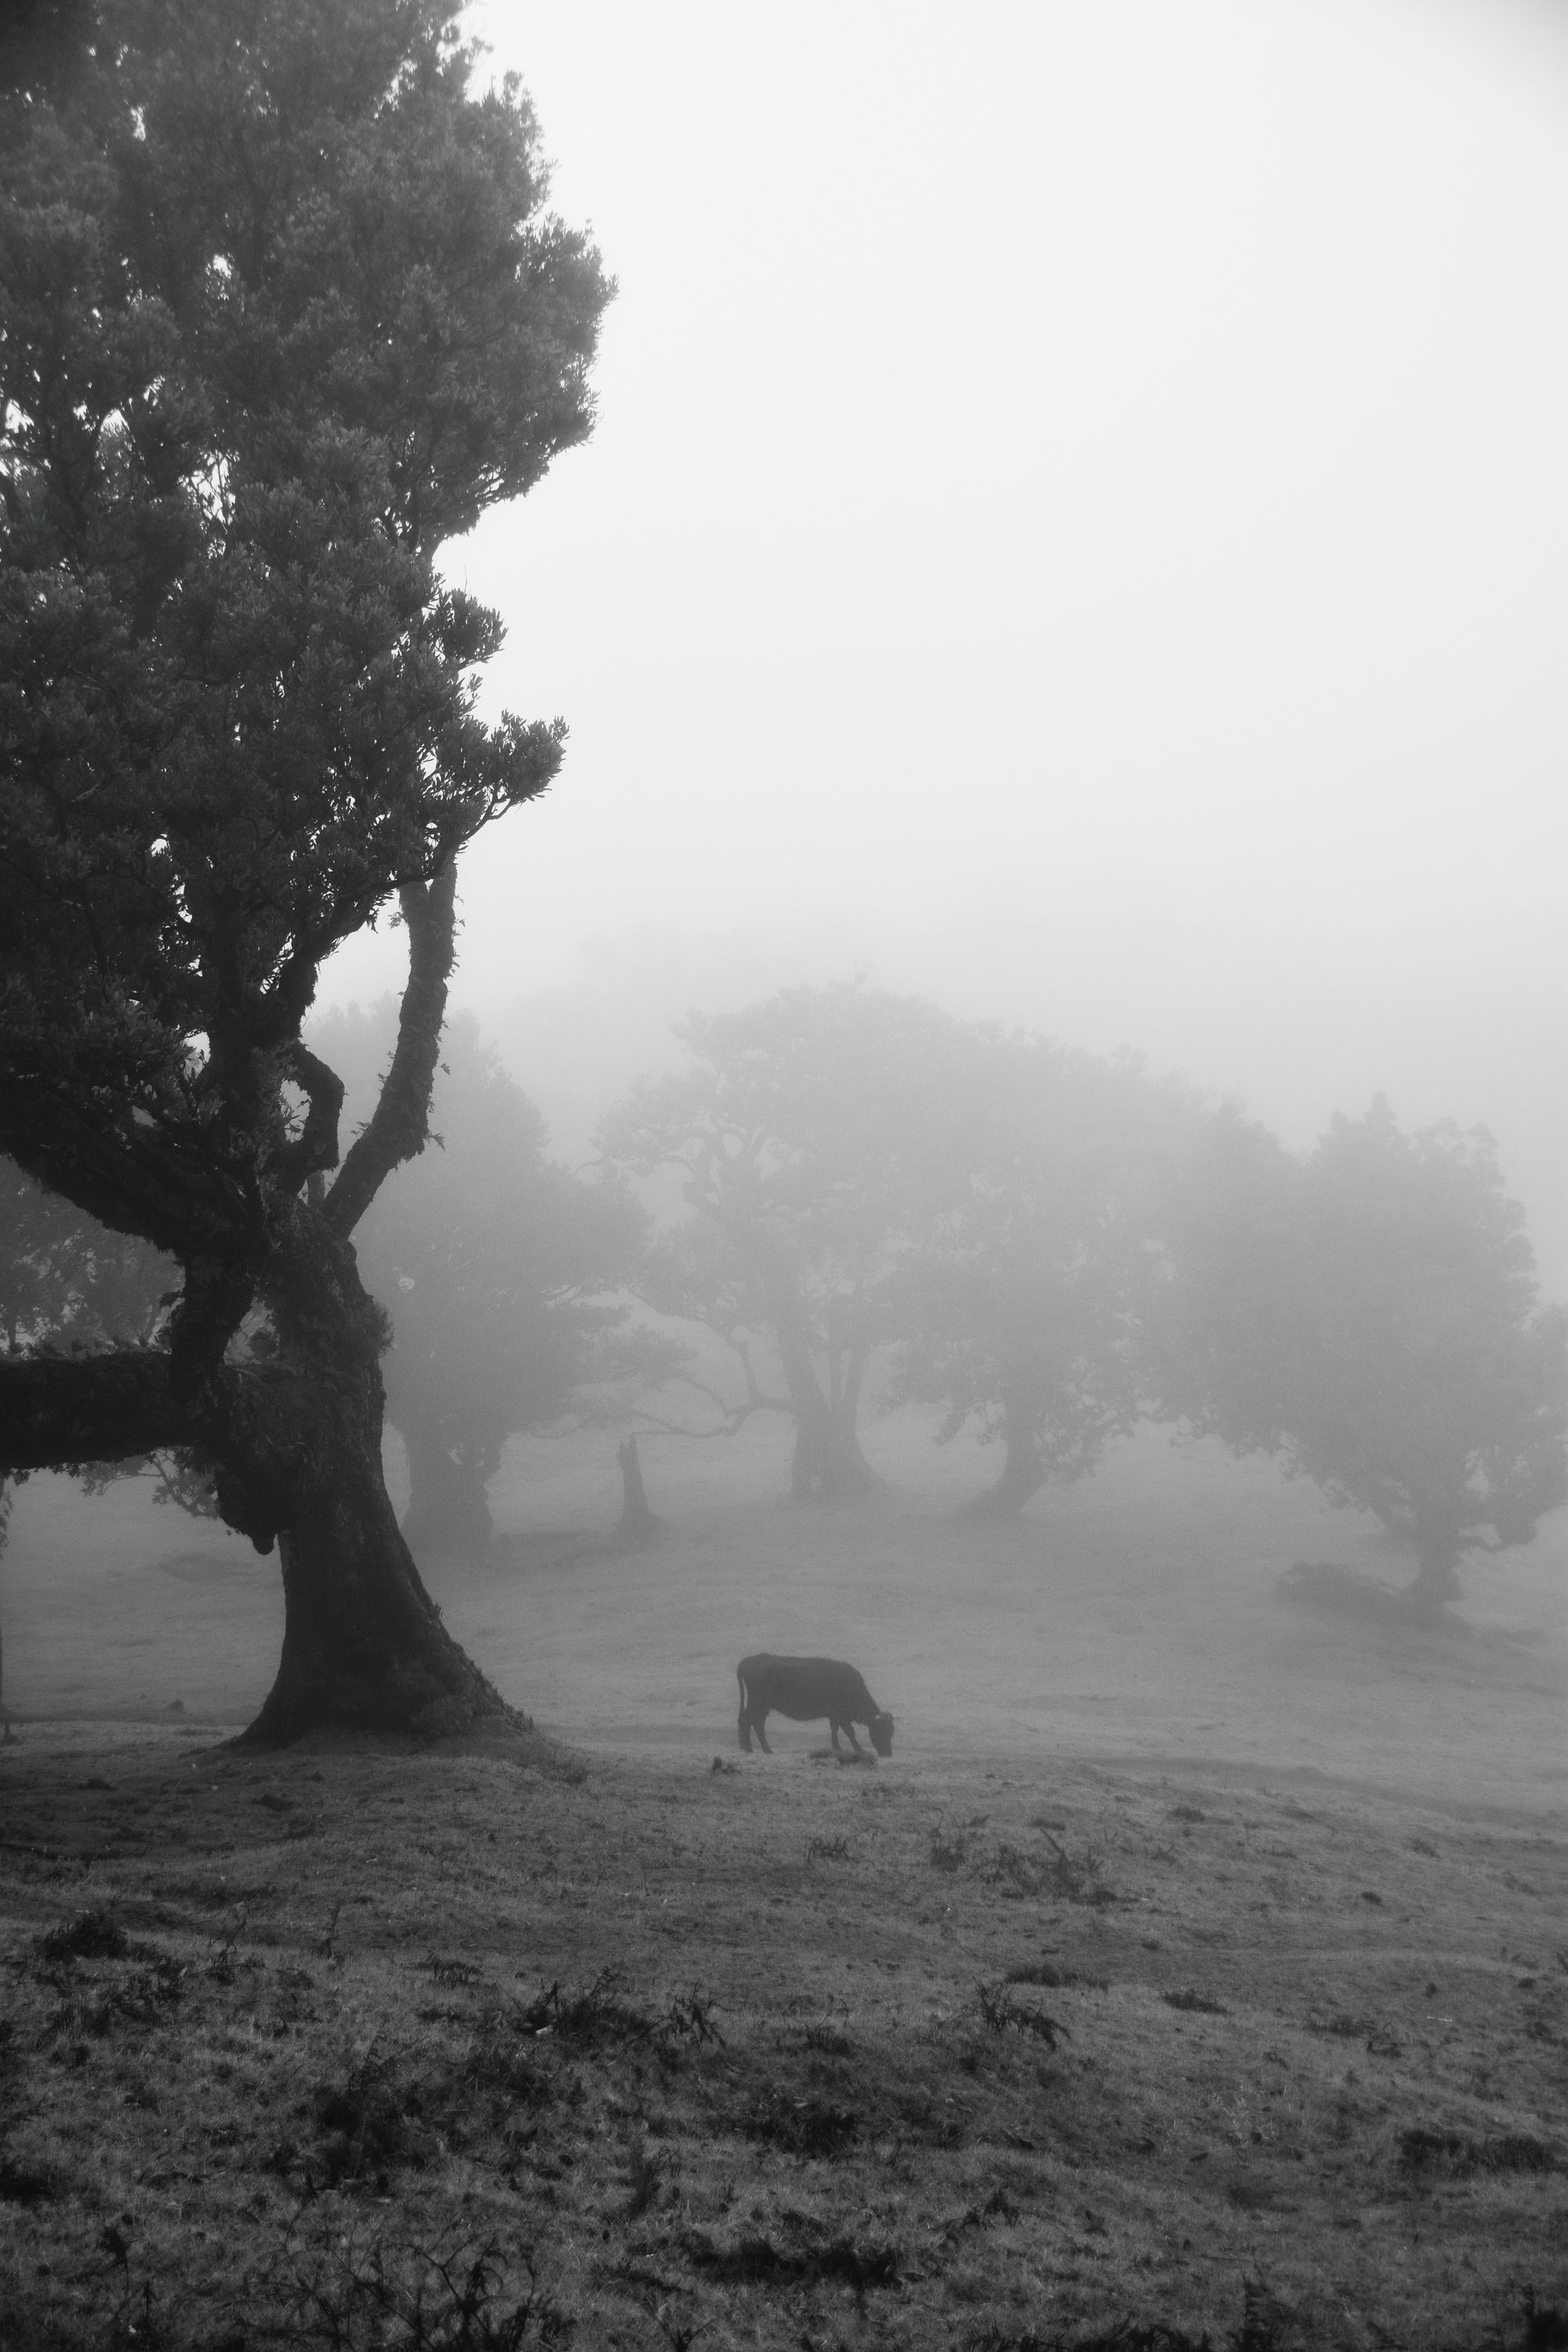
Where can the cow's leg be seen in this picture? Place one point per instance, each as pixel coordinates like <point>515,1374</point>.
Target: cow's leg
<point>743,1726</point>
<point>758,1720</point>
<point>854,1743</point>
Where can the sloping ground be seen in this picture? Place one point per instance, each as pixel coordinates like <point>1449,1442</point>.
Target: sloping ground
<point>988,2051</point>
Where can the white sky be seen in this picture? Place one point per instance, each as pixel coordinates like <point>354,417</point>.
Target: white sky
<point>1079,522</point>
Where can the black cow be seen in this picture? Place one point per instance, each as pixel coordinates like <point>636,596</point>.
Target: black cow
<point>806,1689</point>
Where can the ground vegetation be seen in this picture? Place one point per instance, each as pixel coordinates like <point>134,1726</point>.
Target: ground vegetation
<point>342,2050</point>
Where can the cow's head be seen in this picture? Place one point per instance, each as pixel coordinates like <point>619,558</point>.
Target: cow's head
<point>881,1730</point>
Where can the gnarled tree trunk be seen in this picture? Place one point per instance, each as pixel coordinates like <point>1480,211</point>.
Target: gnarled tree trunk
<point>448,1509</point>
<point>639,1525</point>
<point>828,1461</point>
<point>363,1645</point>
<point>1438,1550</point>
<point>1023,1471</point>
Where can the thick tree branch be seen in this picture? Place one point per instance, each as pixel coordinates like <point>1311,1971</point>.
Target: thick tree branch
<point>57,1411</point>
<point>399,1125</point>
<point>133,1180</point>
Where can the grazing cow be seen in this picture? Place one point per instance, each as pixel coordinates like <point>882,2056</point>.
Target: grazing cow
<point>806,1689</point>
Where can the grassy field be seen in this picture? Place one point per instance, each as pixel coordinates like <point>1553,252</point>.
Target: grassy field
<point>1199,1962</point>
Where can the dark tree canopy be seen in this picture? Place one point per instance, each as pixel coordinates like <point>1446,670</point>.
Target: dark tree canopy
<point>1372,1315</point>
<point>281,311</point>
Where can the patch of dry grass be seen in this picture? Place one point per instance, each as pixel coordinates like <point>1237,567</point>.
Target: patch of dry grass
<point>363,2049</point>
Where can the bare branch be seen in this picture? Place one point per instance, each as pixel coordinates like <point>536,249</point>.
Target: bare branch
<point>399,1126</point>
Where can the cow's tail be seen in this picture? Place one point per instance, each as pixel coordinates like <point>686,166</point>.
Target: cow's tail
<point>742,1726</point>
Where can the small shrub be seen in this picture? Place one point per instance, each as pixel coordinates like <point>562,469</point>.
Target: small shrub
<point>691,2019</point>
<point>597,2014</point>
<point>360,2121</point>
<point>93,1935</point>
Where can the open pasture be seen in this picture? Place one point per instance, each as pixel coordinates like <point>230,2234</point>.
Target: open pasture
<point>1199,1961</point>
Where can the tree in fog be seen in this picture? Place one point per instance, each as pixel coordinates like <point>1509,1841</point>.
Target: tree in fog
<point>1371,1316</point>
<point>1024,1301</point>
<point>814,1140</point>
<point>281,311</point>
<point>492,1261</point>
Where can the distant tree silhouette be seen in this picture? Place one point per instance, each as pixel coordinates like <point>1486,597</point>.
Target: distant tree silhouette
<point>281,311</point>
<point>640,1525</point>
<point>814,1139</point>
<point>493,1265</point>
<point>1371,1315</point>
<point>1025,1302</point>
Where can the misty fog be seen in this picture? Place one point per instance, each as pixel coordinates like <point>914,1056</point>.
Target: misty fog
<point>1074,532</point>
<point>1076,528</point>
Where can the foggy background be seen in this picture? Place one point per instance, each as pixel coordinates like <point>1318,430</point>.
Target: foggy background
<point>1077,527</point>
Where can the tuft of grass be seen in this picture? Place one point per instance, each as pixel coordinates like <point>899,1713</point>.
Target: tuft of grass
<point>644,2173</point>
<point>1043,1973</point>
<point>1003,2015</point>
<point>1423,2148</point>
<point>755,2261</point>
<point>1200,2002</point>
<point>447,1970</point>
<point>805,2127</point>
<point>947,1853</point>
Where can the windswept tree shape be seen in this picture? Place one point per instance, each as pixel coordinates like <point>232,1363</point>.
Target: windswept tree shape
<point>1371,1316</point>
<point>1025,1301</point>
<point>281,311</point>
<point>814,1139</point>
<point>494,1264</point>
